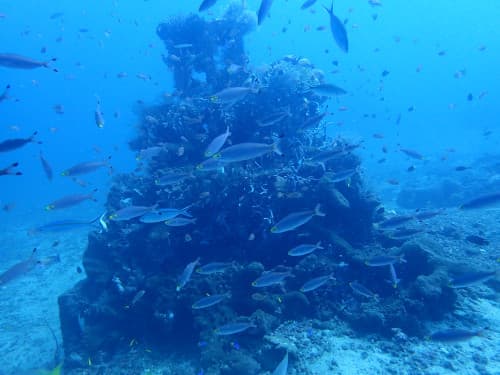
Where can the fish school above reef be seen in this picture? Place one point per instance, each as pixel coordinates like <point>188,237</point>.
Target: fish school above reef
<point>242,214</point>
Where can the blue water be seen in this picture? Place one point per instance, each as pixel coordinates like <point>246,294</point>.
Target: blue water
<point>405,39</point>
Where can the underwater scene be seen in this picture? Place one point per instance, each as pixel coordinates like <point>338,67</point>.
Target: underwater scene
<point>249,187</point>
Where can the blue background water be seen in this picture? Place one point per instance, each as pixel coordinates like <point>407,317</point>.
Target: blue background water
<point>121,38</point>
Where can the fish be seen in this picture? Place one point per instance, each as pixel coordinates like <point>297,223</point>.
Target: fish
<point>49,260</point>
<point>98,116</point>
<point>206,4</point>
<point>172,178</point>
<point>315,283</point>
<point>307,4</point>
<point>217,143</point>
<point>211,164</point>
<point>232,95</point>
<point>338,30</point>
<point>327,89</point>
<point>213,267</point>
<point>394,277</point>
<point>455,335</point>
<point>265,6</point>
<point>282,367</point>
<point>11,60</point>
<point>304,249</point>
<point>86,167</point>
<point>163,214</point>
<point>5,94</point>
<point>269,278</point>
<point>179,221</point>
<point>478,240</point>
<point>70,200</point>
<point>46,167</point>
<point>340,176</point>
<point>246,151</point>
<point>137,297</point>
<point>361,290</point>
<point>19,269</point>
<point>8,171</point>
<point>384,260</point>
<point>131,212</point>
<point>209,301</point>
<point>481,201</point>
<point>274,118</point>
<point>186,274</point>
<point>412,153</point>
<point>395,221</point>
<point>64,225</point>
<point>294,220</point>
<point>233,328</point>
<point>472,278</point>
<point>15,143</point>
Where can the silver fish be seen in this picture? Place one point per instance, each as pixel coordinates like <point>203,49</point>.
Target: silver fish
<point>295,220</point>
<point>186,274</point>
<point>233,328</point>
<point>209,301</point>
<point>270,278</point>
<point>315,283</point>
<point>163,214</point>
<point>384,260</point>
<point>217,143</point>
<point>213,267</point>
<point>131,212</point>
<point>246,151</point>
<point>180,221</point>
<point>304,249</point>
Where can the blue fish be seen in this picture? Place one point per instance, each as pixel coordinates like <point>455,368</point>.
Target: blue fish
<point>265,6</point>
<point>338,30</point>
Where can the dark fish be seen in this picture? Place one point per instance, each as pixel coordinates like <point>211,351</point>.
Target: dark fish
<point>56,15</point>
<point>412,153</point>
<point>5,94</point>
<point>461,168</point>
<point>46,167</point>
<point>477,240</point>
<point>10,60</point>
<point>18,269</point>
<point>454,335</point>
<point>15,143</point>
<point>338,30</point>
<point>470,97</point>
<point>265,6</point>
<point>482,201</point>
<point>307,4</point>
<point>206,4</point>
<point>385,73</point>
<point>8,170</point>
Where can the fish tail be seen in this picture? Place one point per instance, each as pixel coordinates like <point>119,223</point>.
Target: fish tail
<point>318,245</point>
<point>317,211</point>
<point>330,11</point>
